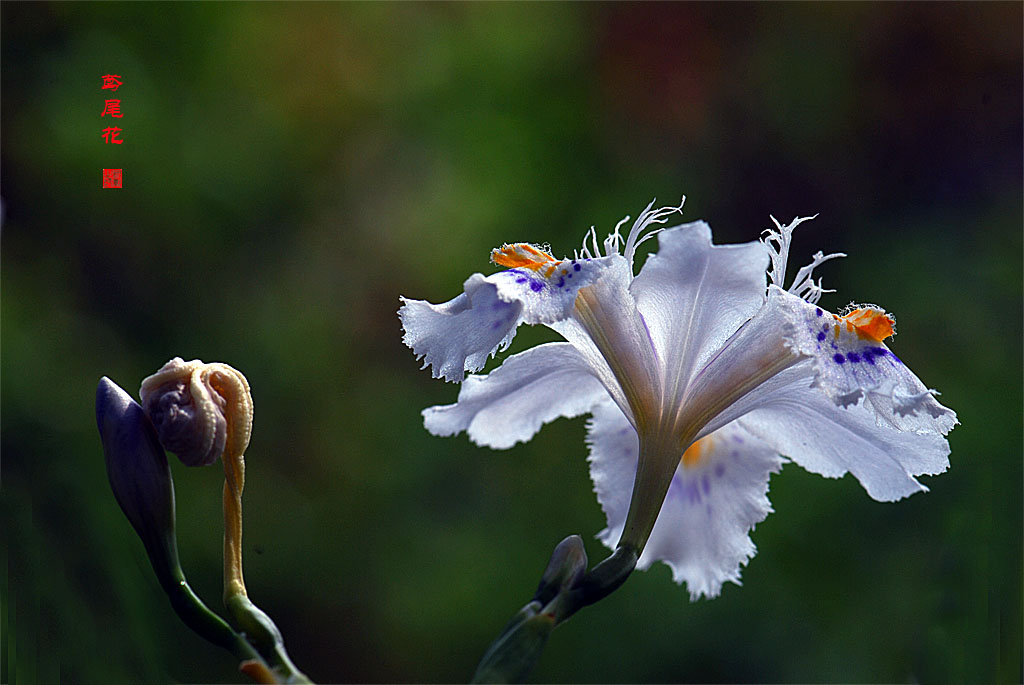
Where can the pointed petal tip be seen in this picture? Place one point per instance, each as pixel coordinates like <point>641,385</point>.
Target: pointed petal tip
<point>112,402</point>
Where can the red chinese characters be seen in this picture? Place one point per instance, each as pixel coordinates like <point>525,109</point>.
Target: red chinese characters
<point>111,81</point>
<point>113,108</point>
<point>111,134</point>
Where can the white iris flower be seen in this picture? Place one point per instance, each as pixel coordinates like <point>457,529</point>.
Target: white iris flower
<point>700,372</point>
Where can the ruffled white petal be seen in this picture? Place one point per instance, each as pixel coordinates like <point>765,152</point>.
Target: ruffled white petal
<point>796,414</point>
<point>461,334</point>
<point>511,403</point>
<point>548,292</point>
<point>850,367</point>
<point>802,423</point>
<point>702,532</point>
<point>694,295</point>
<point>614,450</point>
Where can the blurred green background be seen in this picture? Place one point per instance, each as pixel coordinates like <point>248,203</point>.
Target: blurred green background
<point>291,169</point>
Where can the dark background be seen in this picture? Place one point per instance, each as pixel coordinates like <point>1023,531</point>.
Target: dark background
<point>290,170</point>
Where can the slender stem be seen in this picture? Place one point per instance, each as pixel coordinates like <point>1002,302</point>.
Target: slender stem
<point>197,616</point>
<point>232,386</point>
<point>658,460</point>
<point>234,481</point>
<point>261,632</point>
<point>603,579</point>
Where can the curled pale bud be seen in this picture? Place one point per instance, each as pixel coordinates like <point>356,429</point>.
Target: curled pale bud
<point>200,410</point>
<point>138,473</point>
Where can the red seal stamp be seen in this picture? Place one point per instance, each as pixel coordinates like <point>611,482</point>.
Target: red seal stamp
<point>112,178</point>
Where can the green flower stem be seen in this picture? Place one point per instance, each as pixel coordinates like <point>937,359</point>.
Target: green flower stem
<point>197,616</point>
<point>564,589</point>
<point>605,578</point>
<point>512,656</point>
<point>261,632</point>
<point>162,549</point>
<point>259,641</point>
<point>163,553</point>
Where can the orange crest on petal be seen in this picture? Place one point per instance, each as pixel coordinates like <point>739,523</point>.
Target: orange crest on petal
<point>871,323</point>
<point>522,255</point>
<point>697,451</point>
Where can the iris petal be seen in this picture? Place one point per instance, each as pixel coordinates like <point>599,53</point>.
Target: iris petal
<point>510,404</point>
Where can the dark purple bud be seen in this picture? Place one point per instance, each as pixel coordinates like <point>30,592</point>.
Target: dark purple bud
<point>138,473</point>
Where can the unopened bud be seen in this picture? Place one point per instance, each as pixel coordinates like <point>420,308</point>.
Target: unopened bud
<point>199,410</point>
<point>565,569</point>
<point>138,473</point>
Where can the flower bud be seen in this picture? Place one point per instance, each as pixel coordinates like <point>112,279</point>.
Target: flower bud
<point>138,473</point>
<point>199,410</point>
<point>565,569</point>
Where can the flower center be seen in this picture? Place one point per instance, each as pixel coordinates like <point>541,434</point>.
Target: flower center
<point>736,372</point>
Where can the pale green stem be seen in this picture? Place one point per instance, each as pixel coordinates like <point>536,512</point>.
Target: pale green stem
<point>656,466</point>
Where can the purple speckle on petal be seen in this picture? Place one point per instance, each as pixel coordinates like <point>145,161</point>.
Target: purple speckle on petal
<point>818,312</point>
<point>719,470</point>
<point>561,283</point>
<point>521,280</point>
<point>536,286</point>
<point>821,336</point>
<point>871,352</point>
<point>882,352</point>
<point>838,358</point>
<point>496,325</point>
<point>853,357</point>
<point>576,267</point>
<point>693,493</point>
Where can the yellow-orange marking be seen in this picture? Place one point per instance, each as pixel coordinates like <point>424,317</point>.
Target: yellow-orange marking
<point>871,323</point>
<point>697,451</point>
<point>523,255</point>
